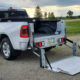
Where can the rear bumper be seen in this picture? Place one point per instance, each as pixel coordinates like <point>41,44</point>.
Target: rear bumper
<point>23,46</point>
<point>45,40</point>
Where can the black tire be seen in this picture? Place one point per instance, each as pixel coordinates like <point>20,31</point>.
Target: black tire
<point>8,52</point>
<point>48,49</point>
<point>48,29</point>
<point>44,30</point>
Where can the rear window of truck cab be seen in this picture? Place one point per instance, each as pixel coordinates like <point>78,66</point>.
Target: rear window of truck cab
<point>13,14</point>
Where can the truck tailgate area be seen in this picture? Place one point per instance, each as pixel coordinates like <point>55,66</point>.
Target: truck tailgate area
<point>48,39</point>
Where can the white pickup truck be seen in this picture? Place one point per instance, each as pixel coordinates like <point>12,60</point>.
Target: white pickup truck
<point>18,33</point>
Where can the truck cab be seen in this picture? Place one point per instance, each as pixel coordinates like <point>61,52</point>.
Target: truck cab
<point>13,13</point>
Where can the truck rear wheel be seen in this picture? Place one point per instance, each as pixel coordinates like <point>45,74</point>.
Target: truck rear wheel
<point>49,48</point>
<point>7,50</point>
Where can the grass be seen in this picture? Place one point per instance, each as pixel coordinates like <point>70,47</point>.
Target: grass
<point>69,18</point>
<point>74,28</point>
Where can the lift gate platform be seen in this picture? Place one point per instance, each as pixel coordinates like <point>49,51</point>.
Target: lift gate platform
<point>69,65</point>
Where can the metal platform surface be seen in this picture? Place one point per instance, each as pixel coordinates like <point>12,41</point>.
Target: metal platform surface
<point>69,65</point>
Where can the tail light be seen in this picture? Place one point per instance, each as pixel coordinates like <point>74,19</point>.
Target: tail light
<point>40,44</point>
<point>24,31</point>
<point>12,9</point>
<point>63,39</point>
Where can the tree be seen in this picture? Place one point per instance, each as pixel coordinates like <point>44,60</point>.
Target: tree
<point>51,15</point>
<point>45,15</point>
<point>67,17</point>
<point>38,12</point>
<point>60,17</point>
<point>78,16</point>
<point>70,13</point>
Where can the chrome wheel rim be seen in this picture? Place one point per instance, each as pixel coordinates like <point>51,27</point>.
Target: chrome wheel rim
<point>6,49</point>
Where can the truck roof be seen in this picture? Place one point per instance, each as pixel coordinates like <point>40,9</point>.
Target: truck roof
<point>12,9</point>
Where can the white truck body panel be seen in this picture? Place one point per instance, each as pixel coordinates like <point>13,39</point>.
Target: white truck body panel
<point>61,25</point>
<point>12,30</point>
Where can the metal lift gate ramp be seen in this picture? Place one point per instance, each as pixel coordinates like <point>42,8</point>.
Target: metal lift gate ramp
<point>69,65</point>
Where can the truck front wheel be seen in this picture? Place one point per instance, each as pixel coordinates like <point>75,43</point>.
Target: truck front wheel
<point>7,50</point>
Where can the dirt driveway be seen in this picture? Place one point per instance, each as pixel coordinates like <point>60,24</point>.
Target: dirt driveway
<point>26,67</point>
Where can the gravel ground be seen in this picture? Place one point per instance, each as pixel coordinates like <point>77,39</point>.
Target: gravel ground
<point>26,67</point>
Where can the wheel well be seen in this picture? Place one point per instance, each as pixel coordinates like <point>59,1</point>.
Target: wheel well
<point>3,36</point>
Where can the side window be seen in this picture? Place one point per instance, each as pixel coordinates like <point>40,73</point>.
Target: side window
<point>6,15</point>
<point>21,14</point>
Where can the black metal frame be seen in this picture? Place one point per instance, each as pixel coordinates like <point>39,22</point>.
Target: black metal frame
<point>26,19</point>
<point>69,40</point>
<point>29,20</point>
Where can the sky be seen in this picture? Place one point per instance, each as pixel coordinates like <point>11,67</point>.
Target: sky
<point>59,7</point>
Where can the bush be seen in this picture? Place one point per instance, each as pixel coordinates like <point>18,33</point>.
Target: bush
<point>79,16</point>
<point>72,17</point>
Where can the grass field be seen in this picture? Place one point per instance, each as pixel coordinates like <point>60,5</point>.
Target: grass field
<point>70,18</point>
<point>74,28</point>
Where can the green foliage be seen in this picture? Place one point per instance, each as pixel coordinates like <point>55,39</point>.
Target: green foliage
<point>45,15</point>
<point>79,16</point>
<point>70,13</point>
<point>67,16</point>
<point>61,17</point>
<point>51,15</point>
<point>38,12</point>
<point>74,28</point>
